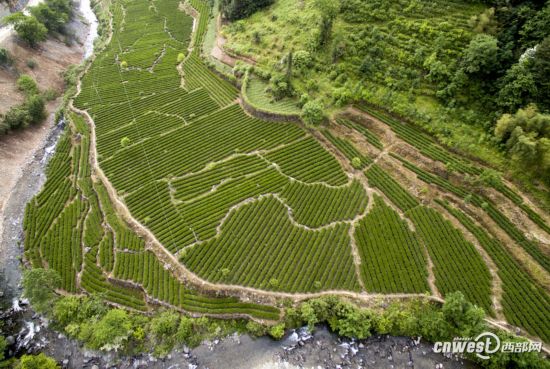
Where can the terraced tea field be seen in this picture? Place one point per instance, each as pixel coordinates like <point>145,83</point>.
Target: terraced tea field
<point>163,191</point>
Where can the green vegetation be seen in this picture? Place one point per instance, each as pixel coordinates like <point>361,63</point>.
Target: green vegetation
<point>53,14</point>
<point>316,205</point>
<point>369,136</point>
<point>443,65</point>
<point>252,247</point>
<point>357,160</point>
<point>385,183</point>
<point>392,258</point>
<point>39,361</point>
<point>524,302</point>
<point>27,27</point>
<point>237,9</point>
<point>73,233</point>
<point>247,202</point>
<point>490,208</point>
<point>256,93</point>
<point>526,136</point>
<point>423,142</point>
<point>32,111</point>
<point>296,159</point>
<point>457,264</point>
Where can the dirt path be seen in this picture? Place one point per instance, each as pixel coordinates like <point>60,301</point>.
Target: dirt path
<point>218,51</point>
<point>186,276</point>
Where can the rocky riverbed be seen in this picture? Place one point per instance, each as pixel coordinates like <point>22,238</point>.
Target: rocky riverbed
<point>299,349</point>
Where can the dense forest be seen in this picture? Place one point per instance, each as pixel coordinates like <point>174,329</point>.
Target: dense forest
<point>507,67</point>
<point>476,75</point>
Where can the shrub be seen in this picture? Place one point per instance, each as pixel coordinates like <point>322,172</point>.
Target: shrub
<point>16,117</point>
<point>356,162</point>
<point>302,59</point>
<point>277,331</point>
<point>312,112</point>
<point>36,108</point>
<point>27,84</point>
<point>255,329</point>
<point>31,63</point>
<point>5,58</point>
<point>124,64</point>
<point>50,94</point>
<point>181,56</point>
<point>125,141</point>
<point>39,361</point>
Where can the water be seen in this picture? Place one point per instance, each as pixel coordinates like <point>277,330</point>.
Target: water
<point>84,9</point>
<point>88,14</point>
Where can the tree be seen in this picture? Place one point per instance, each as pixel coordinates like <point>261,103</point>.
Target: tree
<point>312,112</point>
<point>164,325</point>
<point>185,329</point>
<point>39,287</point>
<point>438,71</point>
<point>112,331</point>
<point>239,9</point>
<point>350,321</point>
<point>27,27</point>
<point>289,68</point>
<point>279,86</point>
<point>329,9</point>
<point>485,22</point>
<point>66,310</point>
<point>277,331</point>
<point>60,7</point>
<point>274,282</point>
<point>464,318</point>
<point>308,314</point>
<point>54,21</point>
<point>481,55</point>
<point>541,68</point>
<point>517,87</point>
<point>39,361</point>
<point>163,328</point>
<point>254,328</point>
<point>3,346</point>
